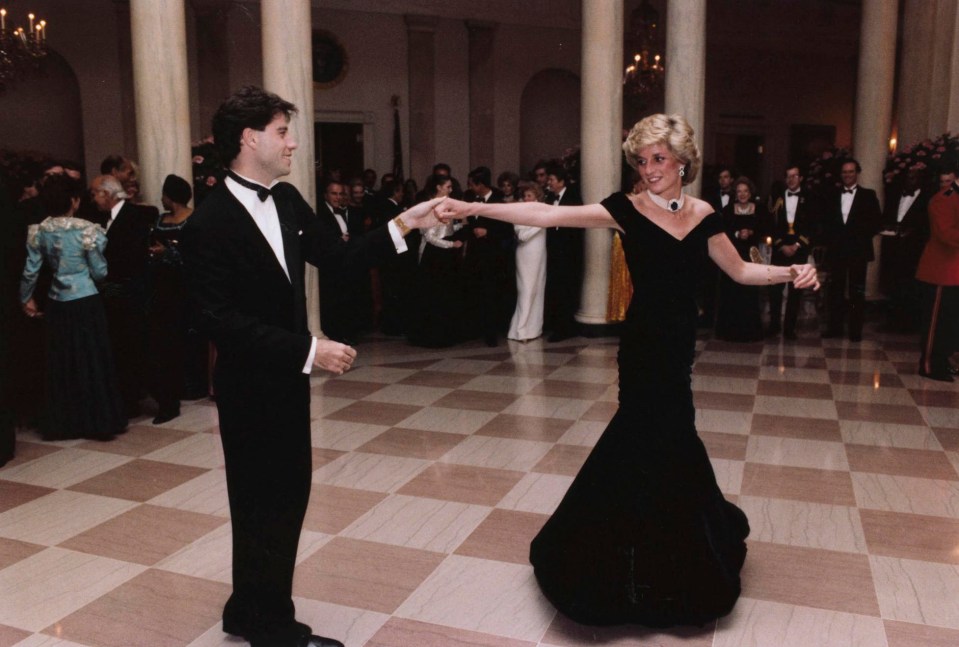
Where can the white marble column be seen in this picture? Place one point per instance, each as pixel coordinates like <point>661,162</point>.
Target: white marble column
<point>601,127</point>
<point>874,92</point>
<point>288,72</point>
<point>420,35</point>
<point>158,33</point>
<point>915,77</point>
<point>686,67</point>
<point>944,111</point>
<point>482,84</point>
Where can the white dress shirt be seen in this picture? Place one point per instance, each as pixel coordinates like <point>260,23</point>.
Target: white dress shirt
<point>905,202</point>
<point>267,221</point>
<point>847,199</point>
<point>792,201</point>
<point>114,211</point>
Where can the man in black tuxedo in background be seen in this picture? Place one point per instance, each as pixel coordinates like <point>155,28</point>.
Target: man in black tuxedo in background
<point>564,261</point>
<point>484,260</point>
<point>244,249</point>
<point>793,221</point>
<point>852,218</point>
<point>905,230</point>
<point>124,292</point>
<point>341,292</point>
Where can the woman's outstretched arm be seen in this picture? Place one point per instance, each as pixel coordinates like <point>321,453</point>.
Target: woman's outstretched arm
<point>535,214</point>
<point>728,260</point>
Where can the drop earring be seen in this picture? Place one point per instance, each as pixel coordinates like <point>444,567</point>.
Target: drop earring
<point>682,172</point>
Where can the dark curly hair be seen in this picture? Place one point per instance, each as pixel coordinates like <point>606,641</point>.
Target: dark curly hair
<point>248,107</point>
<point>57,194</point>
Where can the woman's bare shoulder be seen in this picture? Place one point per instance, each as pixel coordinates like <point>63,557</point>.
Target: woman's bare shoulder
<point>700,208</point>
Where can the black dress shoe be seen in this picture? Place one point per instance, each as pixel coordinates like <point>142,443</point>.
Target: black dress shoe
<point>235,628</point>
<point>302,641</point>
<point>165,416</point>
<point>936,375</point>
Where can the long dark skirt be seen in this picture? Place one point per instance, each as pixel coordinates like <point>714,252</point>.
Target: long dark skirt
<point>83,400</point>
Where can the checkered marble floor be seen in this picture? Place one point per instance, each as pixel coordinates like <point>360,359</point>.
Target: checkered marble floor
<point>433,470</point>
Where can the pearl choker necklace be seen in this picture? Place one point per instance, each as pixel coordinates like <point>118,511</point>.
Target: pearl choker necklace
<point>673,205</point>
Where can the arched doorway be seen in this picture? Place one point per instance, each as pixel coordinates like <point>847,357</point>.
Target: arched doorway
<point>549,116</point>
<point>41,113</point>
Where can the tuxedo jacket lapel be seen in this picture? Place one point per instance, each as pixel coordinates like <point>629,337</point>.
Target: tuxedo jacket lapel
<point>258,241</point>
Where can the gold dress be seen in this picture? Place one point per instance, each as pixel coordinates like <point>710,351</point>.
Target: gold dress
<point>620,283</point>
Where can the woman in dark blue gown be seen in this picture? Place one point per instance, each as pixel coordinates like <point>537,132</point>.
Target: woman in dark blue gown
<point>644,534</point>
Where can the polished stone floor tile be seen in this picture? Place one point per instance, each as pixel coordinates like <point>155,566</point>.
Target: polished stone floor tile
<point>375,472</point>
<point>796,427</point>
<point>139,479</point>
<point>14,494</point>
<point>144,535</point>
<point>197,450</point>
<point>554,407</point>
<point>408,394</point>
<point>476,400</point>
<point>715,384</point>
<point>873,379</point>
<point>720,445</point>
<point>905,634</point>
<point>535,428</point>
<point>498,453</point>
<point>911,536</point>
<point>158,607</point>
<point>449,420</point>
<point>600,412</point>
<point>789,389</point>
<point>400,632</point>
<point>722,370</point>
<point>563,459</point>
<point>137,441</point>
<point>797,452</point>
<point>723,401</point>
<point>481,595</point>
<point>331,508</point>
<point>568,389</point>
<point>414,522</point>
<point>342,435</point>
<point>823,579</point>
<point>412,443</point>
<point>13,550</point>
<point>779,406</point>
<point>47,586</point>
<point>917,592</point>
<point>872,412</point>
<point>516,385</point>
<point>537,493</point>
<point>464,483</point>
<point>804,524</point>
<point>762,623</point>
<point>880,434</point>
<point>205,494</point>
<point>729,422</point>
<point>58,516</point>
<point>906,494</point>
<point>364,574</point>
<point>919,463</point>
<point>63,468</point>
<point>585,433</point>
<point>504,536</point>
<point>381,413</point>
<point>440,379</point>
<point>348,389</point>
<point>832,487</point>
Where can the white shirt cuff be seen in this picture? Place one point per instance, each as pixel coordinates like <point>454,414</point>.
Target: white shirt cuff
<point>308,367</point>
<point>398,241</point>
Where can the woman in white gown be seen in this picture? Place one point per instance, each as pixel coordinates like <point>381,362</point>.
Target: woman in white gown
<point>527,321</point>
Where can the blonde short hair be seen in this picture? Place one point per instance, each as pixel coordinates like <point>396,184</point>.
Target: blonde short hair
<point>674,132</point>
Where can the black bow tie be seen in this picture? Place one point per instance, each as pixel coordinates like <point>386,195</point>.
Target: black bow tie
<point>340,212</point>
<point>792,193</point>
<point>726,193</point>
<point>261,191</point>
<point>848,190</point>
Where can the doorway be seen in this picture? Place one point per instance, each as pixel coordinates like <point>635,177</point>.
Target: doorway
<point>339,146</point>
<point>744,153</point>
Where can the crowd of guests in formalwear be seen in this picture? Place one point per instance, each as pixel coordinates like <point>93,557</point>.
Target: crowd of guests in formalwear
<point>95,317</point>
<point>836,226</point>
<point>93,280</point>
<point>478,280</point>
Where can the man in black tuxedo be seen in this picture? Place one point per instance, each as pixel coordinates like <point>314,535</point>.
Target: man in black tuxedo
<point>124,293</point>
<point>793,221</point>
<point>905,230</point>
<point>852,218</point>
<point>484,260</point>
<point>723,193</point>
<point>564,261</point>
<point>341,292</point>
<point>244,249</point>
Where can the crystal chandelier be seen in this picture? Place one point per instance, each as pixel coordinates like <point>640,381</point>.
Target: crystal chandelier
<point>644,74</point>
<point>21,50</point>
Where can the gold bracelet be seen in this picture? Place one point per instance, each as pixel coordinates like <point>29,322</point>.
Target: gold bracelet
<point>769,275</point>
<point>402,226</point>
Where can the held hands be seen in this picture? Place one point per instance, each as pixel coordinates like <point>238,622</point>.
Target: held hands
<point>422,215</point>
<point>454,210</point>
<point>804,276</point>
<point>333,356</point>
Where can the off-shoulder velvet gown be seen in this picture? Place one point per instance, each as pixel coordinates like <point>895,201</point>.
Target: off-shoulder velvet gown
<point>644,534</point>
